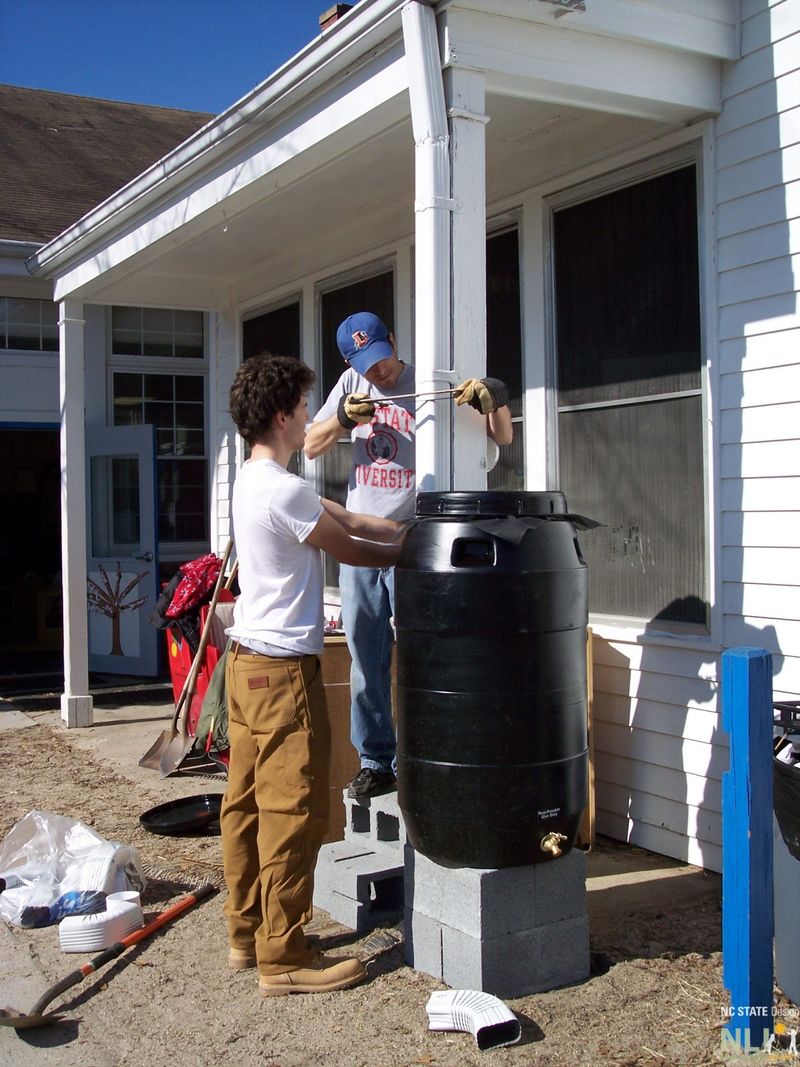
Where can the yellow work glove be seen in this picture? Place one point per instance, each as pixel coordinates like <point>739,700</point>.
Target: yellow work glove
<point>483,394</point>
<point>355,408</point>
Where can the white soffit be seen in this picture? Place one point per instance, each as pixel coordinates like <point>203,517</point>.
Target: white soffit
<point>326,127</point>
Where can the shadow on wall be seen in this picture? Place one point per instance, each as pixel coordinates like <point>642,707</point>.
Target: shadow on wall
<point>660,750</point>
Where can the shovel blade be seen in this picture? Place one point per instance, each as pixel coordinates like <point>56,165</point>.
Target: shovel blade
<point>152,758</point>
<point>20,1021</point>
<point>174,754</point>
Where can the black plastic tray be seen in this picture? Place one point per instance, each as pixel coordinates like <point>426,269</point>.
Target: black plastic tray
<point>189,815</point>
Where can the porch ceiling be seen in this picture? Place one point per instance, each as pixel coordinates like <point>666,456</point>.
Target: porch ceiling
<point>347,208</point>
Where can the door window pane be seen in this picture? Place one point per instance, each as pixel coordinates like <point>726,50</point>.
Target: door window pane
<point>182,467</point>
<point>115,511</point>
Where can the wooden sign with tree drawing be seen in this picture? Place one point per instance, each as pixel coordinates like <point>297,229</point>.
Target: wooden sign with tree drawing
<point>109,600</point>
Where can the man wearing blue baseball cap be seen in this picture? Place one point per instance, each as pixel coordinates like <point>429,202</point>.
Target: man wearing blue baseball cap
<point>373,400</point>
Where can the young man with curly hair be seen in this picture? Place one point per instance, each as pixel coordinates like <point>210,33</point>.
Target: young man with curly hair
<point>275,812</point>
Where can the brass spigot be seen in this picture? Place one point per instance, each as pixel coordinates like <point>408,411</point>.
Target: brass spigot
<point>551,842</point>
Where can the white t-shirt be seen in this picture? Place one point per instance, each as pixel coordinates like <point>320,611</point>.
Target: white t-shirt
<point>383,472</point>
<point>280,576</point>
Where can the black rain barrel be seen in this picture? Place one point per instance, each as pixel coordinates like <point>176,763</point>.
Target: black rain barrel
<point>491,611</point>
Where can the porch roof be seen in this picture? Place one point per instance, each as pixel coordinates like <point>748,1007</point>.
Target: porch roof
<point>315,167</point>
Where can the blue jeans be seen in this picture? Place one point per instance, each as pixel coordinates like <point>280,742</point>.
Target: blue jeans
<point>367,606</point>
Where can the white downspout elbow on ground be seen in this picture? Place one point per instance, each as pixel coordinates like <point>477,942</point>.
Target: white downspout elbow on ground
<point>432,209</point>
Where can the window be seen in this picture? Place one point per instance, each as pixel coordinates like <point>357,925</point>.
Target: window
<point>374,294</point>
<point>504,349</point>
<point>151,384</point>
<point>157,332</point>
<point>174,405</point>
<point>276,332</point>
<point>28,325</point>
<point>630,409</point>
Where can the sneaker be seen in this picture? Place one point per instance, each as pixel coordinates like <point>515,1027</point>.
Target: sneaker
<point>323,976</point>
<point>241,959</point>
<point>371,783</point>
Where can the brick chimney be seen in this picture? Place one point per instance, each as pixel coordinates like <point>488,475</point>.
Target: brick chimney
<point>332,15</point>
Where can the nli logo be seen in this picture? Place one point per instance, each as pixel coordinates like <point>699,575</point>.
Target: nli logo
<point>755,1034</point>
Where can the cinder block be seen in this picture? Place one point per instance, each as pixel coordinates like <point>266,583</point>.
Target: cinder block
<point>376,822</point>
<point>488,903</point>
<point>357,887</point>
<point>423,943</point>
<point>357,877</point>
<point>518,964</point>
<point>364,915</point>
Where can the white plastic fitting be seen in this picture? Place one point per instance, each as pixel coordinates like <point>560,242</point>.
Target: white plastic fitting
<point>90,933</point>
<point>485,1017</point>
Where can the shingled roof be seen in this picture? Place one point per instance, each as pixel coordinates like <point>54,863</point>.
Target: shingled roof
<point>61,155</point>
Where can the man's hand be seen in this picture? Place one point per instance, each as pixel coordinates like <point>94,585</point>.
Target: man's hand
<point>483,394</point>
<point>355,408</point>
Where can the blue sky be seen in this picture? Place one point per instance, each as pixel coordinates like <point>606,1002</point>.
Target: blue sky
<point>201,55</point>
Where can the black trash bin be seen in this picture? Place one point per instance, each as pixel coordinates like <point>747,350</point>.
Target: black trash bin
<point>786,850</point>
<point>491,610</point>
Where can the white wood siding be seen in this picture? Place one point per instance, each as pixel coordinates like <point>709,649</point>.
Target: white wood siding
<point>660,751</point>
<point>758,233</point>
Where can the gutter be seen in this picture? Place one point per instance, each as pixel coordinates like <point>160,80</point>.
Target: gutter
<point>356,33</point>
<point>19,249</point>
<point>432,207</point>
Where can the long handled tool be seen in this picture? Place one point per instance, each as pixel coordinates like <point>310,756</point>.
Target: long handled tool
<point>171,745</point>
<point>183,741</point>
<point>416,396</point>
<point>37,1017</point>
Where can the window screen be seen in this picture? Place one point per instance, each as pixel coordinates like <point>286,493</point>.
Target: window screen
<point>276,332</point>
<point>504,349</point>
<point>375,294</point>
<point>629,401</point>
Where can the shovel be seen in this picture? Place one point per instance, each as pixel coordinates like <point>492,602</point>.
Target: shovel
<point>37,1017</point>
<point>169,748</point>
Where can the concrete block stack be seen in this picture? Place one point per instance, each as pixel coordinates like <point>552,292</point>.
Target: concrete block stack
<point>507,932</point>
<point>359,881</point>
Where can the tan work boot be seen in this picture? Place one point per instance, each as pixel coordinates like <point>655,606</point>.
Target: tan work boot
<point>322,976</point>
<point>241,959</point>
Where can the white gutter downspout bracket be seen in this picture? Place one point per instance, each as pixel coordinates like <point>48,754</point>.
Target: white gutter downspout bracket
<point>433,207</point>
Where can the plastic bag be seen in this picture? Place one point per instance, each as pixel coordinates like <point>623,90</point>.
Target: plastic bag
<point>53,866</point>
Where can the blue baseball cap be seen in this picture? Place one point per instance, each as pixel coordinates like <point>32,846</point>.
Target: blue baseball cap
<point>363,341</point>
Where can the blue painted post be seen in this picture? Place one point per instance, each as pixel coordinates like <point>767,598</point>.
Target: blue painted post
<point>747,922</point>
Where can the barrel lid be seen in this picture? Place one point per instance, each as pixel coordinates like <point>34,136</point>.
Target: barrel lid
<point>495,503</point>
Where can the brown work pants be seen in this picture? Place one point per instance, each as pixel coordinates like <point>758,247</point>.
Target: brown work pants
<point>275,811</point>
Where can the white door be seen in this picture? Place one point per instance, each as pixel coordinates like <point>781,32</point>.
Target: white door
<point>122,565</point>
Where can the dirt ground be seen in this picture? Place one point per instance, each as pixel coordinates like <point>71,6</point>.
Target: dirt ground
<point>654,997</point>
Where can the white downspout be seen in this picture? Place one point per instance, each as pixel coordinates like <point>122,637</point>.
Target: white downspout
<point>432,209</point>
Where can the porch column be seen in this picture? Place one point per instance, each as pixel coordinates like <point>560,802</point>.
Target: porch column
<point>465,95</point>
<point>76,704</point>
<point>224,358</point>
